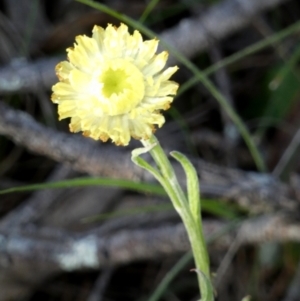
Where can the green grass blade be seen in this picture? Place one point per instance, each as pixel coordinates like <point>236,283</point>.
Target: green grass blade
<point>242,54</point>
<point>29,27</point>
<point>151,5</point>
<point>163,285</point>
<point>178,118</point>
<point>79,182</point>
<point>211,206</point>
<point>131,212</point>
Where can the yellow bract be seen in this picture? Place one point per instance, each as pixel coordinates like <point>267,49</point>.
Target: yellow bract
<point>113,85</point>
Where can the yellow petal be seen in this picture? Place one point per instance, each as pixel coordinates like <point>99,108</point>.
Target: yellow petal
<point>88,46</point>
<point>98,36</point>
<point>167,88</point>
<point>156,64</point>
<point>146,52</point>
<point>166,74</point>
<point>63,70</point>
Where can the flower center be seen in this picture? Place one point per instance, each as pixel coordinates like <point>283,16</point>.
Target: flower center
<point>122,87</point>
<point>114,81</point>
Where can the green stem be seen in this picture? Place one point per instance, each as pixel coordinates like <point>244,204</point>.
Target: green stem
<point>180,202</point>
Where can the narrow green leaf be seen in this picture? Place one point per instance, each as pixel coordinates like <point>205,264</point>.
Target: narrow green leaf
<point>192,184</point>
<point>136,159</point>
<point>209,287</point>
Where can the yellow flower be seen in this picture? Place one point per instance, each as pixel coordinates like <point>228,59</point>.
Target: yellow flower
<point>113,85</point>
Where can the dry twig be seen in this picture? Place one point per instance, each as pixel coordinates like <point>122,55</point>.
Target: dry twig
<point>252,191</point>
<point>62,251</point>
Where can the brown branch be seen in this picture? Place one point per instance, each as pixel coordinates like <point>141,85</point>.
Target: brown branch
<point>26,76</point>
<point>218,22</point>
<point>39,203</point>
<point>81,153</point>
<point>60,252</point>
<point>253,191</point>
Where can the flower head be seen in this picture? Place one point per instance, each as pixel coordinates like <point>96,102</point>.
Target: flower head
<point>113,85</point>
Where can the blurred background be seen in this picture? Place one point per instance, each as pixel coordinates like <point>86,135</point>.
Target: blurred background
<point>90,241</point>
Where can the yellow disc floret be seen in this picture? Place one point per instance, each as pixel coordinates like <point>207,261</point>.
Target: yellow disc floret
<point>123,86</point>
<point>113,85</point>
